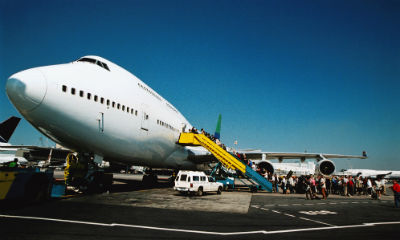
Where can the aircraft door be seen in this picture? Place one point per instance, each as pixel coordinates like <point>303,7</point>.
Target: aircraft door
<point>100,122</point>
<point>144,119</point>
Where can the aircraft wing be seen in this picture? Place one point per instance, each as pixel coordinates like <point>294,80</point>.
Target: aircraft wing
<point>282,155</point>
<point>30,147</point>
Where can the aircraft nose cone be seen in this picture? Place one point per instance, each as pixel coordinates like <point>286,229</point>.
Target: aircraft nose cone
<point>26,89</point>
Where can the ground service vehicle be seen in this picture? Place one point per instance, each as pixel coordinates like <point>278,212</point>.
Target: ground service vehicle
<point>196,182</point>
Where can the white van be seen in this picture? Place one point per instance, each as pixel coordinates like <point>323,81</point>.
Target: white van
<point>196,182</point>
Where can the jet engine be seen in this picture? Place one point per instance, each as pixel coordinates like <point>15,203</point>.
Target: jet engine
<point>267,165</point>
<point>325,167</point>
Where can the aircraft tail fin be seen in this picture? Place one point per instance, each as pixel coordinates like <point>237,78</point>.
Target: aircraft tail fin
<point>217,133</point>
<point>7,128</point>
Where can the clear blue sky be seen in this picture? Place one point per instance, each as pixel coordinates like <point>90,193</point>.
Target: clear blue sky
<point>321,76</point>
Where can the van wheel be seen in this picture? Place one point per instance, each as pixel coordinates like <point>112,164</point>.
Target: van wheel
<point>200,191</point>
<point>219,190</point>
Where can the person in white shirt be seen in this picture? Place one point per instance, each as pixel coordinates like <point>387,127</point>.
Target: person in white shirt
<point>291,184</point>
<point>369,186</point>
<point>322,182</point>
<point>383,181</point>
<point>378,188</point>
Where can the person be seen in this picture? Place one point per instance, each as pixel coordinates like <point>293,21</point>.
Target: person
<point>396,191</point>
<point>283,184</point>
<point>323,187</point>
<point>14,163</point>
<point>345,186</point>
<point>309,195</point>
<point>378,188</point>
<point>369,186</point>
<point>291,185</point>
<point>383,182</point>
<point>273,181</point>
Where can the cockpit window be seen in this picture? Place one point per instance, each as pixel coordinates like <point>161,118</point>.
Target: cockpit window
<point>87,60</point>
<point>94,61</point>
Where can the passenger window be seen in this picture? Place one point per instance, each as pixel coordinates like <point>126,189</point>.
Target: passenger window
<point>127,109</point>
<point>73,91</point>
<point>203,179</point>
<point>101,100</point>
<point>183,178</point>
<point>95,98</point>
<point>89,96</point>
<point>118,105</point>
<point>195,178</point>
<point>81,93</point>
<point>123,107</point>
<point>135,112</point>
<point>113,104</point>
<point>64,88</point>
<point>108,102</point>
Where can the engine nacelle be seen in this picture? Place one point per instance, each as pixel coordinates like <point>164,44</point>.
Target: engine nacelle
<point>267,165</point>
<point>325,167</point>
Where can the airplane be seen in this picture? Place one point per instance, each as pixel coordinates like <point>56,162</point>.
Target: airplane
<point>388,174</point>
<point>97,108</point>
<point>7,129</point>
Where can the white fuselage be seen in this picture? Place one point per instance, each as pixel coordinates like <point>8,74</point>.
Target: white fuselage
<point>110,113</point>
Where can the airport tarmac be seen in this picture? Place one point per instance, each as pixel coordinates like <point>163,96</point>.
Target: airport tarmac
<point>133,211</point>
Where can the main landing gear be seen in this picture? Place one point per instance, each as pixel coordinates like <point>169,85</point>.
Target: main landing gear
<point>149,178</point>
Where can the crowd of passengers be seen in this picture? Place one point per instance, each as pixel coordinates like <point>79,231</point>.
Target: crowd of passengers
<point>320,185</point>
<point>313,185</point>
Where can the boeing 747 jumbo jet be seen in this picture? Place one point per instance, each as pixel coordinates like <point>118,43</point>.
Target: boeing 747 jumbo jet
<point>96,107</point>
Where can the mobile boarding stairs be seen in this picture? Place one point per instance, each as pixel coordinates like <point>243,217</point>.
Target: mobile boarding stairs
<point>228,160</point>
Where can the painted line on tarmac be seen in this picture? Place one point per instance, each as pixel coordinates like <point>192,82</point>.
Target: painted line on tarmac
<point>307,219</point>
<point>198,231</point>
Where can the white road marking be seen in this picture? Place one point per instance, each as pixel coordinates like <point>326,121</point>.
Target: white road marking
<point>283,205</point>
<point>203,232</point>
<point>289,215</point>
<point>265,209</point>
<point>333,203</point>
<point>322,212</point>
<point>296,204</point>
<point>276,211</point>
<point>317,221</point>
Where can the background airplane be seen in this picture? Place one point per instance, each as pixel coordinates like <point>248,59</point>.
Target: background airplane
<point>389,174</point>
<point>7,129</point>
